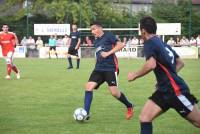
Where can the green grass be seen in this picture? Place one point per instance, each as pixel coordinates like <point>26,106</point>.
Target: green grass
<point>43,100</point>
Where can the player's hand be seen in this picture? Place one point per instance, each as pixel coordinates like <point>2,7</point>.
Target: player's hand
<point>104,54</point>
<point>132,76</point>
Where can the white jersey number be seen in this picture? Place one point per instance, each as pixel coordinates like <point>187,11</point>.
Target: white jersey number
<point>170,54</point>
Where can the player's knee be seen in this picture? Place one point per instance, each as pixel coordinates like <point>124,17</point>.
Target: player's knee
<point>88,87</point>
<point>144,118</point>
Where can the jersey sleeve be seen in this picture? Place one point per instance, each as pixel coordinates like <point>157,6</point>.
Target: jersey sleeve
<point>112,38</point>
<point>174,52</point>
<point>149,50</point>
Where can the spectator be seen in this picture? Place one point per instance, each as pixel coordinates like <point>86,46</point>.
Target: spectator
<point>88,42</point>
<point>134,41</point>
<point>59,41</point>
<point>198,40</point>
<point>31,42</point>
<point>23,41</point>
<point>52,46</point>
<point>39,43</point>
<point>184,41</point>
<point>171,42</point>
<point>30,47</point>
<point>177,42</point>
<point>66,40</point>
<point>118,38</point>
<point>141,41</point>
<point>124,40</point>
<point>193,42</point>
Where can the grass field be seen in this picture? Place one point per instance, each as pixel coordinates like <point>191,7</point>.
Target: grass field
<point>43,100</point>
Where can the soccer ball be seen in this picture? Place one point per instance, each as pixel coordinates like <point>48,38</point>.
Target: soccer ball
<point>80,114</point>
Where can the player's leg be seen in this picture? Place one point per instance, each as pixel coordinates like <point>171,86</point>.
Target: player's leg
<point>111,79</point>
<point>49,52</point>
<point>155,106</point>
<point>69,58</point>
<point>89,95</point>
<point>8,59</point>
<point>150,111</point>
<point>55,52</point>
<point>186,106</point>
<point>14,68</point>
<point>94,82</point>
<point>194,116</point>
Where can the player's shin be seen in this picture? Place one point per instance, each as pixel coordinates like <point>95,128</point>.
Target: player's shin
<point>88,100</point>
<point>70,61</point>
<point>9,68</point>
<point>78,63</point>
<point>125,101</point>
<point>146,128</point>
<point>14,68</point>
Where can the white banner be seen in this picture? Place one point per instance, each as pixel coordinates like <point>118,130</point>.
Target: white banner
<point>167,29</point>
<point>20,52</point>
<point>187,52</point>
<point>127,52</point>
<point>51,29</point>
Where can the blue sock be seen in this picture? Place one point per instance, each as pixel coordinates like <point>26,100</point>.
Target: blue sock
<point>146,128</point>
<point>88,100</point>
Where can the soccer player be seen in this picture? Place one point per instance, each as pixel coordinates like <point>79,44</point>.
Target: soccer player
<point>75,42</point>
<point>172,91</point>
<point>8,41</point>
<point>106,68</point>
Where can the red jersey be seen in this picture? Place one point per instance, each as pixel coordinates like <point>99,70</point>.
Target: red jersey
<point>7,42</point>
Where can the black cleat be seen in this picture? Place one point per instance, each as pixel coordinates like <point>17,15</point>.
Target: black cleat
<point>87,117</point>
<point>70,67</point>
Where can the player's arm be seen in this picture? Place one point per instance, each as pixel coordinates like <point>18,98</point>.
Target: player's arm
<point>179,64</point>
<point>147,67</point>
<point>16,41</point>
<point>119,45</point>
<point>78,43</point>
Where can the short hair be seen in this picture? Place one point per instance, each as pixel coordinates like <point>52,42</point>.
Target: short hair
<point>96,23</point>
<point>149,24</point>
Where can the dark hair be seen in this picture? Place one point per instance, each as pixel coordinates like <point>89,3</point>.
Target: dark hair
<point>96,23</point>
<point>149,24</point>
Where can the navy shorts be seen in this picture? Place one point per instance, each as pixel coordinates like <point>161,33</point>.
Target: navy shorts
<point>183,103</point>
<point>101,76</point>
<point>73,51</point>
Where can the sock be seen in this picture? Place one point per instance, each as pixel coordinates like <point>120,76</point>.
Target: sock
<point>56,55</point>
<point>14,68</point>
<point>146,128</point>
<point>9,69</point>
<point>78,63</point>
<point>88,100</point>
<point>124,100</point>
<point>70,61</point>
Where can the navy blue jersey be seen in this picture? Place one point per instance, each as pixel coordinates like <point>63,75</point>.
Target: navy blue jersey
<point>105,43</point>
<point>165,71</point>
<point>74,38</point>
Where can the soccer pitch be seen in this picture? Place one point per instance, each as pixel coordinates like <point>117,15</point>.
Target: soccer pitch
<point>43,100</point>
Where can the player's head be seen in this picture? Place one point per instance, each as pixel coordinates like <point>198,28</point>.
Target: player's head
<point>5,28</point>
<point>96,29</point>
<point>74,27</point>
<point>147,26</point>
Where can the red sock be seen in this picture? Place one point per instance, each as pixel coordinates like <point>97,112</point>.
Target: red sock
<point>9,69</point>
<point>14,68</point>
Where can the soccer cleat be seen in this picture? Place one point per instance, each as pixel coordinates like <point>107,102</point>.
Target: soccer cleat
<point>7,77</point>
<point>18,75</point>
<point>87,117</point>
<point>70,67</point>
<point>129,113</point>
